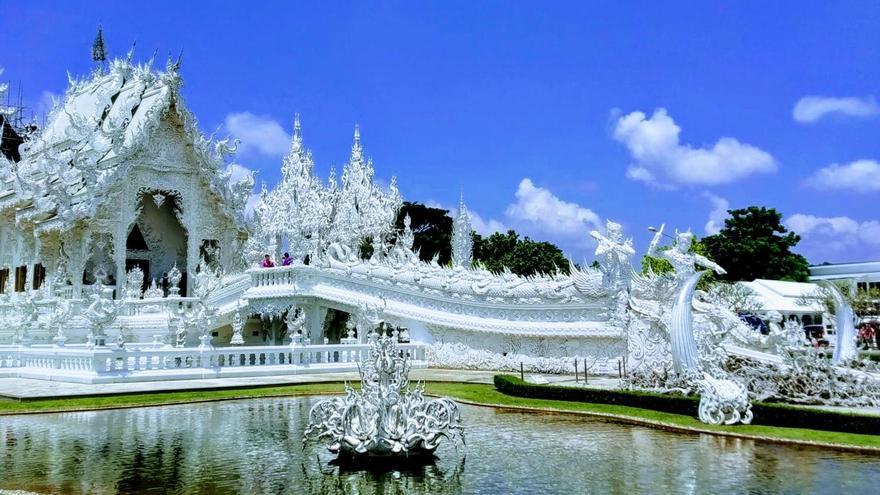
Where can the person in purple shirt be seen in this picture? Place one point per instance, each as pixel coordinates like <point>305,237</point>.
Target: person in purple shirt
<point>286,260</point>
<point>267,262</point>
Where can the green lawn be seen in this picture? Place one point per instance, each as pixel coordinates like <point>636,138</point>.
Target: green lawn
<point>11,406</point>
<point>470,392</point>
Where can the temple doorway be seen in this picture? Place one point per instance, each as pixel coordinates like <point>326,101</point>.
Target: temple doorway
<point>157,240</point>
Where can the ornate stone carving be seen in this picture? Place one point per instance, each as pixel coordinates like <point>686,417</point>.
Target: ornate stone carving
<point>174,278</point>
<point>237,326</point>
<point>297,330</point>
<point>133,283</point>
<point>102,311</point>
<point>385,417</point>
<point>462,242</point>
<point>723,402</point>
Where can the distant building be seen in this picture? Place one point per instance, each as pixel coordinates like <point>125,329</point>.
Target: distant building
<point>865,274</point>
<point>788,298</point>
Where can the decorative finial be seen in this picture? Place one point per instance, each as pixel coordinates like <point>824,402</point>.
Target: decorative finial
<point>173,67</point>
<point>462,242</point>
<point>297,133</point>
<point>130,55</point>
<point>99,53</point>
<point>356,150</point>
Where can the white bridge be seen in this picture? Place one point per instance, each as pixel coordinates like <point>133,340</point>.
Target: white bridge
<point>136,363</point>
<point>459,318</point>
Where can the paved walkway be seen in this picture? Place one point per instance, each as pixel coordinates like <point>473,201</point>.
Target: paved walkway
<point>25,388</point>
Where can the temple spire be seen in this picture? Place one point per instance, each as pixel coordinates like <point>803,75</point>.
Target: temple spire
<point>297,133</point>
<point>462,242</point>
<point>357,152</point>
<point>99,53</point>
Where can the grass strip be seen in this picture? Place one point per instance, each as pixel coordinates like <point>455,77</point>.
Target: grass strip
<point>475,393</point>
<point>488,395</point>
<point>119,401</point>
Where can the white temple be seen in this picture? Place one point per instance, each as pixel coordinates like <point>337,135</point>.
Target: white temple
<point>121,189</point>
<point>125,255</point>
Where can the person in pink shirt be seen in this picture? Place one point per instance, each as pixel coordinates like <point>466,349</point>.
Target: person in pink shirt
<point>267,262</point>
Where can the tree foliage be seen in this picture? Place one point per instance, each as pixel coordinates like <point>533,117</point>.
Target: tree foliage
<point>755,244</point>
<point>432,231</point>
<point>659,265</point>
<point>522,256</point>
<point>740,298</point>
<point>864,301</point>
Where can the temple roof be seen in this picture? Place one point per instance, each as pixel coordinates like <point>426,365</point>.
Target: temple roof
<point>101,121</point>
<point>784,296</point>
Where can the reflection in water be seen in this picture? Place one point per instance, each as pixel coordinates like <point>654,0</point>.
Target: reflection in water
<point>255,447</point>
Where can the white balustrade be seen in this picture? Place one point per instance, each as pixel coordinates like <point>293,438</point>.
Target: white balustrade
<point>137,363</point>
<point>269,277</point>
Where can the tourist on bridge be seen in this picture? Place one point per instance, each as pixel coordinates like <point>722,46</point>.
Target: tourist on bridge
<point>267,262</point>
<point>286,260</point>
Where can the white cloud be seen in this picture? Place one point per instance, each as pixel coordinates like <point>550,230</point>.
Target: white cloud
<point>834,236</point>
<point>661,159</point>
<point>238,172</point>
<point>258,134</point>
<point>813,108</point>
<point>858,176</point>
<point>539,210</point>
<point>251,204</point>
<point>541,215</point>
<point>718,213</point>
<point>485,227</point>
<point>45,104</point>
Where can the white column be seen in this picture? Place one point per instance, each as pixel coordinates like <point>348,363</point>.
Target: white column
<point>315,316</point>
<point>119,253</point>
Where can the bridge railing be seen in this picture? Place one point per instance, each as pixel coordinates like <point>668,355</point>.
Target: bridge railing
<point>269,277</point>
<point>159,363</point>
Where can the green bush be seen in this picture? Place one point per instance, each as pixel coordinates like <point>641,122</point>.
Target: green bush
<point>769,414</point>
<point>671,403</point>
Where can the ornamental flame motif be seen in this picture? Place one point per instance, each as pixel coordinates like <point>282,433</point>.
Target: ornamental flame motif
<point>386,417</point>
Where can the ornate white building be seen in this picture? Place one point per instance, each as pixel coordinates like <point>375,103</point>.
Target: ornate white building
<point>125,255</point>
<point>120,188</point>
<point>120,176</point>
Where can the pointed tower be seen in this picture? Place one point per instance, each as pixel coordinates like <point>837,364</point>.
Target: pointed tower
<point>363,209</point>
<point>99,53</point>
<point>462,242</point>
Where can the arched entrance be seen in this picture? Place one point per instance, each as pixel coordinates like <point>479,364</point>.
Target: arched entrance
<point>157,239</point>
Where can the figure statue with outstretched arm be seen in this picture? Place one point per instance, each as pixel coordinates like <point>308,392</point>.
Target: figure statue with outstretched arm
<point>684,261</point>
<point>679,318</point>
<point>615,253</point>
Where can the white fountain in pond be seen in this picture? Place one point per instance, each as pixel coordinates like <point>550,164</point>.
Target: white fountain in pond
<point>385,418</point>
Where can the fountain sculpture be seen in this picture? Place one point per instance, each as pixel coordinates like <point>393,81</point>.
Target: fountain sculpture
<point>386,418</point>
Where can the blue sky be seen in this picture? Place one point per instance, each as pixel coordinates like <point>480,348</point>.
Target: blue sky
<point>550,116</point>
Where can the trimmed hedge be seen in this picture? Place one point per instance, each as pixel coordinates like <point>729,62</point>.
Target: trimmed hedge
<point>671,403</point>
<point>769,414</point>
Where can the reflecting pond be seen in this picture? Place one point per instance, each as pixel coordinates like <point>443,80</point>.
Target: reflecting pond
<point>255,446</point>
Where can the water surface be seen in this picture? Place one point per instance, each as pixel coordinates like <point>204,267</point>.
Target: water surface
<point>254,446</point>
